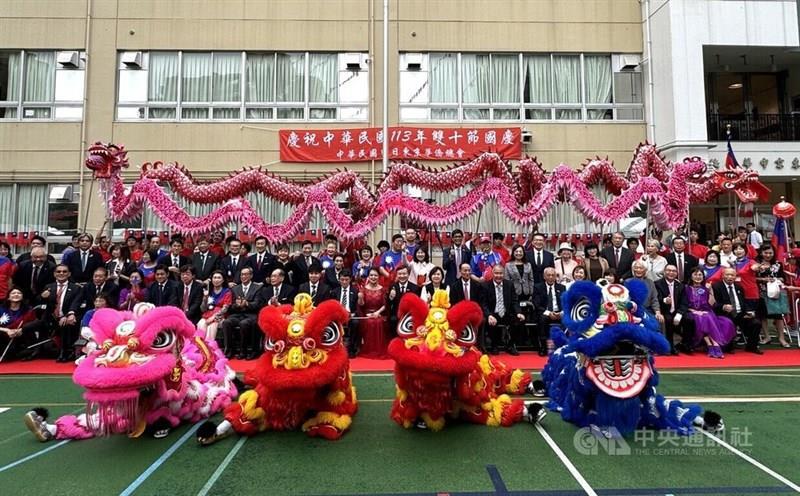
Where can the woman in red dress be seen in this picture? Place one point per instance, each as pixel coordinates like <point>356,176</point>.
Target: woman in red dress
<point>746,271</point>
<point>374,329</point>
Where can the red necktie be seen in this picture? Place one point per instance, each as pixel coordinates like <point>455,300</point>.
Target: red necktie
<point>185,298</point>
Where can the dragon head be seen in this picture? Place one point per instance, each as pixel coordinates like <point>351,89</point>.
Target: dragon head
<point>439,339</point>
<point>138,358</point>
<point>303,344</point>
<point>743,182</point>
<point>106,159</point>
<point>613,335</point>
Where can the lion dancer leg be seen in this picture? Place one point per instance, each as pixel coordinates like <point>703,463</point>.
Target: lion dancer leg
<point>335,411</point>
<point>66,427</point>
<point>246,416</point>
<point>661,413</point>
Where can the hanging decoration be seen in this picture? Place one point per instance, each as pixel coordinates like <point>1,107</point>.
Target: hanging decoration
<point>524,196</point>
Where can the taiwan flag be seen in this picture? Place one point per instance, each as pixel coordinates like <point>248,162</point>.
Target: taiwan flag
<point>779,240</point>
<point>730,158</point>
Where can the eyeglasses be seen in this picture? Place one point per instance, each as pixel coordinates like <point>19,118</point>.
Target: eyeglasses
<point>61,271</point>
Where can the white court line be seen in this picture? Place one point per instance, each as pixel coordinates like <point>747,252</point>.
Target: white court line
<point>752,461</point>
<point>222,466</point>
<point>34,455</point>
<point>567,463</point>
<point>740,399</point>
<point>4,410</point>
<point>160,461</point>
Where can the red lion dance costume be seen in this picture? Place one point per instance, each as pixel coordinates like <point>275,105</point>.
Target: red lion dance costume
<point>302,381</point>
<point>440,373</point>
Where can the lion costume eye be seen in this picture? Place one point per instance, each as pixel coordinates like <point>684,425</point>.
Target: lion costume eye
<point>405,328</point>
<point>164,340</point>
<point>467,335</point>
<point>580,311</point>
<point>273,346</point>
<point>331,334</point>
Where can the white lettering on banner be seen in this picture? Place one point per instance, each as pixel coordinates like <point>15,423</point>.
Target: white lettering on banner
<point>455,137</point>
<point>438,137</point>
<point>373,153</point>
<point>508,137</point>
<point>420,136</point>
<point>340,154</point>
<point>472,137</point>
<point>379,137</point>
<point>490,138</point>
<point>293,140</point>
<point>328,139</point>
<point>363,137</point>
<point>460,153</point>
<point>347,138</point>
<point>310,139</point>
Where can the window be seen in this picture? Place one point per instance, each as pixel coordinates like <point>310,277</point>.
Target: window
<point>49,209</point>
<point>237,86</point>
<point>519,86</point>
<point>42,84</point>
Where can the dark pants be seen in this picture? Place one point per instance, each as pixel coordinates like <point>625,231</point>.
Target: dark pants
<point>543,330</point>
<point>680,329</point>
<point>352,337</point>
<point>43,328</point>
<point>750,329</point>
<point>495,333</point>
<point>241,328</point>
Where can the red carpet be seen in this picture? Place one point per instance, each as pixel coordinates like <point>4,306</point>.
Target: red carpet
<point>528,360</point>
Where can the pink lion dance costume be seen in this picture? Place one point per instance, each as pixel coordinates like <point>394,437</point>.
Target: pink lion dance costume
<point>151,368</point>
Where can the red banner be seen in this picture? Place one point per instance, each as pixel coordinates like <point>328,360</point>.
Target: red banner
<point>405,143</point>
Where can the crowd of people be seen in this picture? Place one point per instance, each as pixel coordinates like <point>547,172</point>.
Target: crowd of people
<point>706,297</point>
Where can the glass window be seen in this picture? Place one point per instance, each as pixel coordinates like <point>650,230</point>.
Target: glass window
<point>39,76</point>
<point>31,82</point>
<point>240,85</point>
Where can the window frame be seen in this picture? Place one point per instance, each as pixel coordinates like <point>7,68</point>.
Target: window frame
<point>21,105</point>
<point>243,105</point>
<point>551,108</point>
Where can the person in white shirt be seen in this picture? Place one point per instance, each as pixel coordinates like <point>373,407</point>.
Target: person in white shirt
<point>420,267</point>
<point>726,256</point>
<point>655,263</point>
<point>754,237</point>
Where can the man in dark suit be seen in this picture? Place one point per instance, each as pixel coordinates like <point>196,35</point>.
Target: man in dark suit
<point>501,308</point>
<point>674,304</point>
<point>539,258</point>
<point>62,315</point>
<point>84,261</point>
<point>191,294</point>
<point>173,260</point>
<point>396,292</point>
<point>242,319</point>
<point>332,272</point>
<point>36,242</point>
<point>298,268</point>
<point>100,285</point>
<point>684,262</point>
<point>347,295</point>
<point>233,263</point>
<point>204,262</point>
<point>618,257</point>
<point>464,288</point>
<point>260,261</point>
<point>454,256</point>
<point>279,292</point>
<point>547,308</point>
<point>33,275</point>
<point>164,291</point>
<point>315,286</point>
<point>731,303</point>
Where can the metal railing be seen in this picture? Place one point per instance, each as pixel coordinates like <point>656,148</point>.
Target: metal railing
<point>754,127</point>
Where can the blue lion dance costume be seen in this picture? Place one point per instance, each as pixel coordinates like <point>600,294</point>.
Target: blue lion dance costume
<point>602,372</point>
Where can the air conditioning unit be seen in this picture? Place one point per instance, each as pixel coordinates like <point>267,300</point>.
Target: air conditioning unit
<point>69,59</point>
<point>413,61</point>
<point>61,193</point>
<point>352,61</point>
<point>132,60</point>
<point>526,137</point>
<point>629,62</point>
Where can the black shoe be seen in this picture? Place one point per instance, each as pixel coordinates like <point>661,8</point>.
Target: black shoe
<point>251,356</point>
<point>542,352</point>
<point>494,351</point>
<point>30,355</point>
<point>228,354</point>
<point>239,355</point>
<point>755,350</point>
<point>673,352</point>
<point>512,350</point>
<point>352,354</point>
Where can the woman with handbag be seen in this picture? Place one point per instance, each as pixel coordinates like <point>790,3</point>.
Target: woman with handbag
<point>773,301</point>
